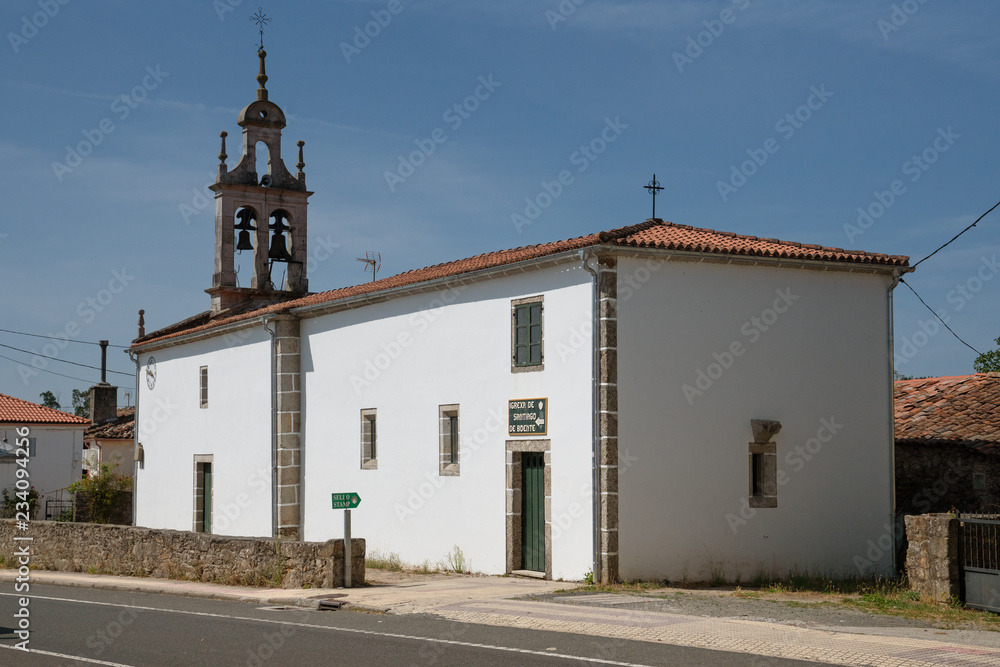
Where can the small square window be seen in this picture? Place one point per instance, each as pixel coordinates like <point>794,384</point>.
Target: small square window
<point>369,439</point>
<point>527,348</point>
<point>449,440</point>
<point>203,379</point>
<point>978,481</point>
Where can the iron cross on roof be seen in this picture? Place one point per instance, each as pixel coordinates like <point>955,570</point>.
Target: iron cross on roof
<point>261,19</point>
<point>654,188</point>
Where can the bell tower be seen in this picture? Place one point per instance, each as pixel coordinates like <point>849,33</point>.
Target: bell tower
<point>261,213</point>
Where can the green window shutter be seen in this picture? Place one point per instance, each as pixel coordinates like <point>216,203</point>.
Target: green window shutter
<point>528,334</point>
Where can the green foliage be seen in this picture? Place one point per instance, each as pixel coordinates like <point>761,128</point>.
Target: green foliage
<point>588,578</point>
<point>49,400</point>
<point>81,403</point>
<point>376,560</point>
<point>102,492</point>
<point>12,498</point>
<point>988,362</point>
<point>456,561</point>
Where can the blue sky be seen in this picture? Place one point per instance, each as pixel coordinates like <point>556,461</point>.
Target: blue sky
<point>695,89</point>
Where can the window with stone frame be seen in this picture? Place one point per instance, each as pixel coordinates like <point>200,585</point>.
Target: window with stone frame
<point>369,439</point>
<point>526,334</point>
<point>449,440</point>
<point>763,475</point>
<point>203,386</point>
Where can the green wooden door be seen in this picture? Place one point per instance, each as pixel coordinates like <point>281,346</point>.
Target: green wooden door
<point>533,511</point>
<point>206,498</point>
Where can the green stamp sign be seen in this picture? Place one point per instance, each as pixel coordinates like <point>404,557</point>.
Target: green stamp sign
<point>526,416</point>
<point>345,501</point>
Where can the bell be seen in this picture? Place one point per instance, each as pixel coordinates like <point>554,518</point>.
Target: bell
<point>244,242</point>
<point>278,251</point>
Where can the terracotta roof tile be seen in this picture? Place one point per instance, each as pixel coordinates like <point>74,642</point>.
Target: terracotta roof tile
<point>122,428</point>
<point>964,409</point>
<point>16,411</point>
<point>649,234</point>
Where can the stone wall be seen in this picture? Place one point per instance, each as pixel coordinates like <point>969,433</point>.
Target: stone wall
<point>932,556</point>
<point>173,554</point>
<point>939,478</point>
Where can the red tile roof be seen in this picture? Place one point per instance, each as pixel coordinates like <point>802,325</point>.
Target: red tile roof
<point>964,409</point>
<point>15,411</point>
<point>649,234</point>
<point>121,428</point>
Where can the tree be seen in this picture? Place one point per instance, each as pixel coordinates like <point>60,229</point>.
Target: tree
<point>988,362</point>
<point>81,403</point>
<point>49,400</point>
<point>102,494</point>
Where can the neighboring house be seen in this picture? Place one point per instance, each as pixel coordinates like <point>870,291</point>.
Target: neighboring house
<point>948,444</point>
<point>55,447</point>
<point>610,403</point>
<point>111,442</point>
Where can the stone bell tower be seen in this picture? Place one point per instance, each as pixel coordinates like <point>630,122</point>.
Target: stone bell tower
<point>262,213</point>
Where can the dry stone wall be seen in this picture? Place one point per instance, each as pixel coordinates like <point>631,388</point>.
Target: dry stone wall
<point>174,554</point>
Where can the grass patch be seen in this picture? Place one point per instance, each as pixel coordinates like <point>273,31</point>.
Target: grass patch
<point>907,604</point>
<point>376,560</point>
<point>426,568</point>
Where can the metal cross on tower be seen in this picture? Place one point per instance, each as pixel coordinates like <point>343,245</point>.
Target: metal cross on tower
<point>261,19</point>
<point>654,188</point>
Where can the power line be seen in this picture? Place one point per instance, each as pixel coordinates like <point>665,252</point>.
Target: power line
<point>84,342</point>
<point>46,371</point>
<point>949,243</point>
<point>64,361</point>
<point>938,316</point>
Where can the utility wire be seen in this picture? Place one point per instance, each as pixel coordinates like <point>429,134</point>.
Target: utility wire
<point>938,316</point>
<point>949,243</point>
<point>64,361</point>
<point>85,342</point>
<point>46,371</point>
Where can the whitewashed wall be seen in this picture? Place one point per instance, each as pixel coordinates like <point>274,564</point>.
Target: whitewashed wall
<point>235,428</point>
<point>684,479</point>
<point>410,355</point>
<point>58,461</point>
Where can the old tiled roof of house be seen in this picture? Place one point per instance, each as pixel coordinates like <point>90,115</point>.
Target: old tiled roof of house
<point>16,411</point>
<point>963,409</point>
<point>121,428</point>
<point>649,234</point>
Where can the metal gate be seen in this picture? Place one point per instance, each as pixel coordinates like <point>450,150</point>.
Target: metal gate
<point>979,558</point>
<point>533,511</point>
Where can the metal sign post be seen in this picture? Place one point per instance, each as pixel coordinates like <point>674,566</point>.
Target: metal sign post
<point>346,502</point>
<point>348,556</point>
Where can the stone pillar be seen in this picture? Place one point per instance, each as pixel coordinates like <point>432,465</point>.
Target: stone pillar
<point>289,417</point>
<point>932,556</point>
<point>607,340</point>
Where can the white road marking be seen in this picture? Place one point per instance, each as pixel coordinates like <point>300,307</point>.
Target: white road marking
<point>67,656</point>
<point>394,635</point>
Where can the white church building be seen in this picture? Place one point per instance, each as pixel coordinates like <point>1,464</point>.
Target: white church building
<point>656,401</point>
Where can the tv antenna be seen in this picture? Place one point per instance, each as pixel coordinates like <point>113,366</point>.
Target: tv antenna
<point>372,259</point>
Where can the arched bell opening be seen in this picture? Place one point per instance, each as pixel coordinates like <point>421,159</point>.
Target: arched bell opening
<point>245,227</point>
<point>262,164</point>
<point>279,248</point>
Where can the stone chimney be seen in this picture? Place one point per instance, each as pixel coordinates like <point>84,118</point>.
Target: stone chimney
<point>103,403</point>
<point>103,397</point>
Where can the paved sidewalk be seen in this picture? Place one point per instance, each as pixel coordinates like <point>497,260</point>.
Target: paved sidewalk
<point>492,601</point>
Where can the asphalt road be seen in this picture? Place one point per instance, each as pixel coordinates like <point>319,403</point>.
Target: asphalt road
<point>75,626</point>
